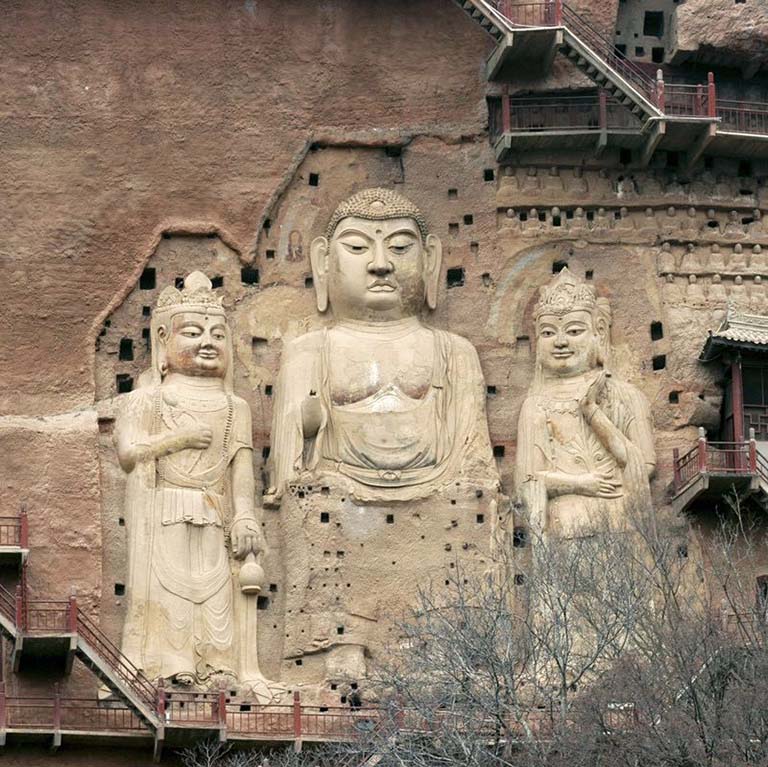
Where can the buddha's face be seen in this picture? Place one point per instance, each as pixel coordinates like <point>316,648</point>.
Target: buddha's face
<point>376,268</point>
<point>568,345</point>
<point>196,345</point>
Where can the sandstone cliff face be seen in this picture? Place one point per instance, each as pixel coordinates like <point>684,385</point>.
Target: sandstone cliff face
<point>719,32</point>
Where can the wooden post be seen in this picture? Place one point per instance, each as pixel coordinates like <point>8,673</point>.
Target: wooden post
<point>712,95</point>
<point>20,622</point>
<point>660,90</point>
<point>56,707</point>
<point>506,117</point>
<point>3,709</point>
<point>698,107</point>
<point>603,109</point>
<point>72,614</point>
<point>222,708</point>
<point>161,700</point>
<point>676,467</point>
<point>296,721</point>
<point>558,13</point>
<point>752,452</point>
<point>737,400</point>
<point>702,451</point>
<point>23,528</point>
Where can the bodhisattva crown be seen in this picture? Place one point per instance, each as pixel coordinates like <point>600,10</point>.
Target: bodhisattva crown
<point>196,296</point>
<point>566,293</point>
<point>377,205</point>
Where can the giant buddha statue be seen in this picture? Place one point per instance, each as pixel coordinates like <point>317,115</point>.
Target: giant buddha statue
<point>381,461</point>
<point>184,439</point>
<point>392,407</point>
<point>584,444</point>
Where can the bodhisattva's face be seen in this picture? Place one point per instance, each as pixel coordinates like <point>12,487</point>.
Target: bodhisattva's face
<point>376,269</point>
<point>197,345</point>
<point>568,345</point>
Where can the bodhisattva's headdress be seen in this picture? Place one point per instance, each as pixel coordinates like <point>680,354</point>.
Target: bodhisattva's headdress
<point>198,297</point>
<point>377,205</point>
<point>565,294</point>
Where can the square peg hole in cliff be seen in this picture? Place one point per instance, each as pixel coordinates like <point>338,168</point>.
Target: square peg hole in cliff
<point>490,390</point>
<point>657,331</point>
<point>178,283</point>
<point>390,519</point>
<point>309,282</point>
<point>453,194</point>
<point>558,266</point>
<point>659,362</point>
<point>249,275</point>
<point>270,254</point>
<point>124,383</point>
<point>454,277</point>
<point>453,229</point>
<point>119,589</point>
<point>325,517</point>
<point>489,174</point>
<point>469,219</point>
<point>217,282</point>
<point>498,451</point>
<point>265,452</point>
<point>314,179</point>
<point>148,279</point>
<point>146,311</point>
<point>273,588</point>
<point>480,518</point>
<point>268,390</point>
<point>519,579</point>
<point>126,349</point>
<point>262,603</point>
<point>674,398</point>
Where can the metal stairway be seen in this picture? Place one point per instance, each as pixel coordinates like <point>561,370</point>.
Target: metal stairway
<point>561,30</point>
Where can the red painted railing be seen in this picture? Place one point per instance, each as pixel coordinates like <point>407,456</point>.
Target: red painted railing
<point>673,99</point>
<point>728,458</point>
<point>593,111</point>
<point>14,531</point>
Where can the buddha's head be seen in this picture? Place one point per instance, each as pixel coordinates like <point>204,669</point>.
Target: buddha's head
<point>572,327</point>
<point>377,261</point>
<point>189,331</point>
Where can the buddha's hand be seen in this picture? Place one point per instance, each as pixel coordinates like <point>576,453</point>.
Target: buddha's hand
<point>596,393</point>
<point>246,537</point>
<point>311,415</point>
<point>191,438</point>
<point>599,485</point>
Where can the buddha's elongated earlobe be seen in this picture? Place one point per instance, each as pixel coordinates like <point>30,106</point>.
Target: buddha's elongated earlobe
<point>318,255</point>
<point>433,259</point>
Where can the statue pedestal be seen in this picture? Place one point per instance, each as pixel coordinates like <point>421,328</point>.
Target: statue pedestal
<point>353,570</point>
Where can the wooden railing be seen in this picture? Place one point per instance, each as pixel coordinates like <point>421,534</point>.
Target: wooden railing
<point>14,531</point>
<point>673,99</point>
<point>729,458</point>
<point>589,112</point>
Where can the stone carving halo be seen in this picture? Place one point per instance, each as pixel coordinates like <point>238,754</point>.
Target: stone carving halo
<point>565,294</point>
<point>196,296</point>
<point>377,205</point>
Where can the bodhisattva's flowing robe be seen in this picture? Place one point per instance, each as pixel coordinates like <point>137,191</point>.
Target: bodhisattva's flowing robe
<point>554,436</point>
<point>387,447</point>
<point>179,617</point>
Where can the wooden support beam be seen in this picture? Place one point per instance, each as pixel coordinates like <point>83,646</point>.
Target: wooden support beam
<point>700,145</point>
<point>657,131</point>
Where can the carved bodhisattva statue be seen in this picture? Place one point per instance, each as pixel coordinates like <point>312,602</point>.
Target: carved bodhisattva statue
<point>185,441</point>
<point>584,446</point>
<point>388,405</point>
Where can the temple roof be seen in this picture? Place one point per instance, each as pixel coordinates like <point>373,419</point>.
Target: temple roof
<point>737,330</point>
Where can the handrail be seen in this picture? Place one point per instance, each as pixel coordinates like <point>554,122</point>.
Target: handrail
<point>673,99</point>
<point>729,458</point>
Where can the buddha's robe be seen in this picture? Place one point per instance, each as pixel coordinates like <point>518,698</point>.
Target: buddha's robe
<point>179,617</point>
<point>388,446</point>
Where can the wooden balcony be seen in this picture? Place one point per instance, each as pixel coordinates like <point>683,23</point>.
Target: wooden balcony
<point>711,470</point>
<point>14,540</point>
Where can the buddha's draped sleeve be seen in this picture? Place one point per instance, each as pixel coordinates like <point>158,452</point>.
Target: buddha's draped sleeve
<point>299,375</point>
<point>640,431</point>
<point>242,433</point>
